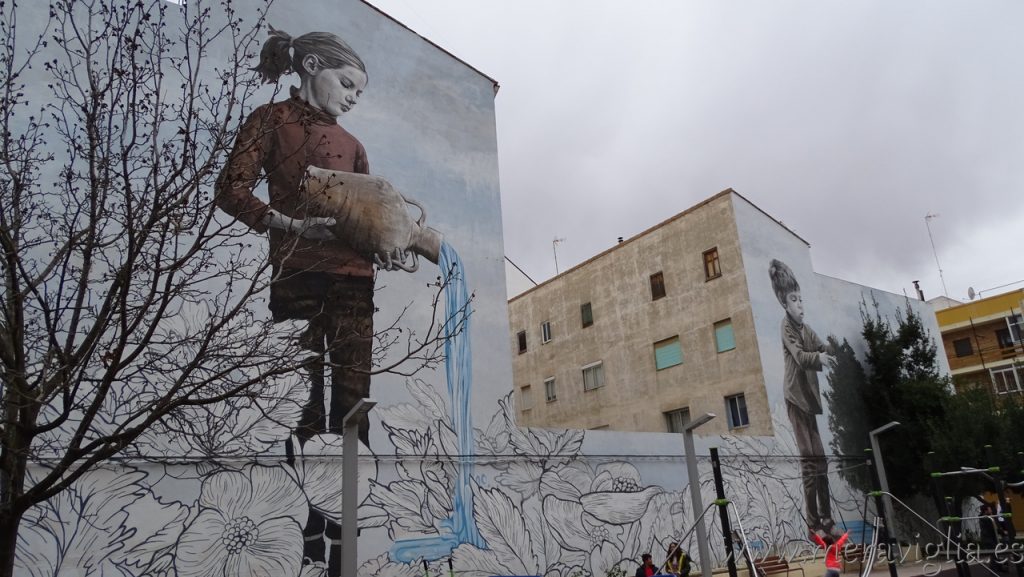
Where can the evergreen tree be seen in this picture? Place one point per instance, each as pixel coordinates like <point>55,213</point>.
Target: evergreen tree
<point>903,384</point>
<point>848,417</point>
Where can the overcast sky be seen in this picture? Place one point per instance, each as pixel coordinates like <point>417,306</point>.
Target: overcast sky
<point>849,121</point>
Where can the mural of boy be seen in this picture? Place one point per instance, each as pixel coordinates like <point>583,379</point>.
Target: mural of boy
<point>317,276</point>
<point>804,355</point>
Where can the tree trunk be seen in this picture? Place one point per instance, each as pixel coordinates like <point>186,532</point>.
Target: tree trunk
<point>9,523</point>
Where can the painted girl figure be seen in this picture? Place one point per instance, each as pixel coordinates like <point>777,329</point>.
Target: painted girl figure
<point>317,276</point>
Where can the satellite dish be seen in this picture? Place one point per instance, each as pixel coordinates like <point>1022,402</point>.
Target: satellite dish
<point>970,293</point>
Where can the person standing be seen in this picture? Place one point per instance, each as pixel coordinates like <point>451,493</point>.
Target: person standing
<point>832,548</point>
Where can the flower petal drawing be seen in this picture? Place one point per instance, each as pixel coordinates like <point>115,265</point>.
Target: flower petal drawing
<point>427,398</point>
<point>619,508</point>
<point>318,469</point>
<point>90,525</point>
<point>476,562</point>
<point>250,524</point>
<point>566,521</point>
<point>502,525</point>
<point>522,476</point>
<point>405,502</point>
<point>551,483</point>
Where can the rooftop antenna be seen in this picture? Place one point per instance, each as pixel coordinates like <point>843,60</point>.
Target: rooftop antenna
<point>927,223</point>
<point>971,293</point>
<point>554,249</point>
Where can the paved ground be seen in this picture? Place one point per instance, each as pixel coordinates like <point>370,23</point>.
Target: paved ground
<point>947,569</point>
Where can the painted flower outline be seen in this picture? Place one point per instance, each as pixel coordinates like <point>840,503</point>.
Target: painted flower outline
<point>601,518</point>
<point>250,523</point>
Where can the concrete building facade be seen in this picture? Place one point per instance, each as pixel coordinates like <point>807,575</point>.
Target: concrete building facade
<point>984,342</point>
<point>655,309</point>
<point>681,322</point>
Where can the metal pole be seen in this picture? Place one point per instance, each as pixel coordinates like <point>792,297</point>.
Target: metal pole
<point>943,504</point>
<point>723,512</point>
<point>350,486</point>
<point>883,482</point>
<point>1004,521</point>
<point>698,506</point>
<point>554,249</point>
<point>928,225</point>
<point>883,485</point>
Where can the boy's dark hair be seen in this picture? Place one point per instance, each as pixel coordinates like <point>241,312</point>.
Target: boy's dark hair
<point>645,556</point>
<point>783,280</point>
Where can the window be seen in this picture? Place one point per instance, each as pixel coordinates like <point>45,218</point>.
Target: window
<point>526,398</point>
<point>521,337</point>
<point>677,419</point>
<point>963,347</point>
<point>586,314</point>
<point>712,268</point>
<point>549,390</point>
<point>1016,325</point>
<point>657,286</point>
<point>667,353</point>
<point>593,376</point>
<point>545,332</point>
<point>1003,336</point>
<point>1008,380</point>
<point>725,340</point>
<point>736,408</point>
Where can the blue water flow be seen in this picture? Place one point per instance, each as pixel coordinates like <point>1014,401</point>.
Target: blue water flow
<point>459,374</point>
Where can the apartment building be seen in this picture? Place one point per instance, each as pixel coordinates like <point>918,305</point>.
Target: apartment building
<point>984,342</point>
<point>679,320</point>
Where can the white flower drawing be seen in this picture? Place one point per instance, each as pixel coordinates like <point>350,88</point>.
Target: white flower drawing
<point>242,425</point>
<point>318,471</point>
<point>250,523</point>
<point>422,497</point>
<point>97,523</point>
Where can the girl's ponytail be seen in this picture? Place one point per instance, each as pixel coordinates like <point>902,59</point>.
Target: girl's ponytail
<point>275,57</point>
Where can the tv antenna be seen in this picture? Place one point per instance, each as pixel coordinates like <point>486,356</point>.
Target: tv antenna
<point>554,249</point>
<point>927,223</point>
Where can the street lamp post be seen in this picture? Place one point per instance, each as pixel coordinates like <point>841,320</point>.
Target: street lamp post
<point>883,484</point>
<point>350,484</point>
<point>882,480</point>
<point>698,505</point>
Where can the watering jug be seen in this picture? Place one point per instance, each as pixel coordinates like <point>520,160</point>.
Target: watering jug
<point>371,215</point>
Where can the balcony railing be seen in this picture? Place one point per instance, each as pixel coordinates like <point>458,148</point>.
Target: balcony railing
<point>988,357</point>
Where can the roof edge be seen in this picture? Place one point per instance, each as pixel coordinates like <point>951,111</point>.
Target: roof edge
<point>645,232</point>
<point>434,44</point>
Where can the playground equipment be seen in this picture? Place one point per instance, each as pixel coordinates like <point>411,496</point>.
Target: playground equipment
<point>994,476</point>
<point>947,537</point>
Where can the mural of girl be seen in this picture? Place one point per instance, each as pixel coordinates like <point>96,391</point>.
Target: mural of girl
<point>317,275</point>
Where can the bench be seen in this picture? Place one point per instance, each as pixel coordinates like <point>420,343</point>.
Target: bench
<point>774,565</point>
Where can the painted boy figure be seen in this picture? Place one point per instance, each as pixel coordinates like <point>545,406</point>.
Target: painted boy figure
<point>804,355</point>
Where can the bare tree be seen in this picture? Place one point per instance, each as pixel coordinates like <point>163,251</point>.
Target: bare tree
<point>127,305</point>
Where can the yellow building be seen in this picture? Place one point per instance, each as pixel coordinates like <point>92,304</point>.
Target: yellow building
<point>984,344</point>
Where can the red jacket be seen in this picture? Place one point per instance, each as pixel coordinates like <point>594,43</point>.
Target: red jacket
<point>832,551</point>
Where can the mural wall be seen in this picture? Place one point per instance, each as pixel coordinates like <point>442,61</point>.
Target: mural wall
<point>357,106</point>
<point>809,336</point>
